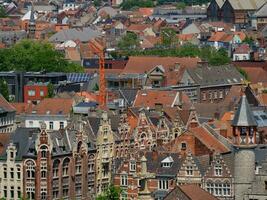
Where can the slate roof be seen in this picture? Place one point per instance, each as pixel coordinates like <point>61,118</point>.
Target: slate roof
<point>83,35</point>
<point>154,164</point>
<point>262,12</point>
<point>23,139</point>
<point>243,115</point>
<point>215,75</point>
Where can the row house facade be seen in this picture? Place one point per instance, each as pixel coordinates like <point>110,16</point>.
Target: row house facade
<point>155,179</point>
<point>48,165</point>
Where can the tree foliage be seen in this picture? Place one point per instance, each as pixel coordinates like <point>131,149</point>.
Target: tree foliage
<point>248,40</point>
<point>207,53</point>
<point>168,36</point>
<point>50,92</point>
<point>4,89</point>
<point>131,4</point>
<point>129,41</point>
<point>112,193</point>
<point>28,55</point>
<point>3,13</point>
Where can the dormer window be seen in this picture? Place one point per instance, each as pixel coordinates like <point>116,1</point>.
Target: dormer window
<point>167,162</point>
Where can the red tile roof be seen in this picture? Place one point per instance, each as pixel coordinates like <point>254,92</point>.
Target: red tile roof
<point>22,107</point>
<point>148,98</point>
<point>194,192</point>
<point>143,64</point>
<point>6,105</point>
<point>242,49</point>
<point>257,71</point>
<point>208,139</point>
<point>146,11</point>
<point>52,106</point>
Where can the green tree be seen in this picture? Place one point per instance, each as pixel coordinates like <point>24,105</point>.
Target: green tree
<point>112,193</point>
<point>51,92</point>
<point>129,41</point>
<point>168,36</point>
<point>29,55</point>
<point>97,3</point>
<point>132,4</point>
<point>3,13</point>
<point>248,40</point>
<point>4,89</point>
<point>181,5</point>
<point>219,57</point>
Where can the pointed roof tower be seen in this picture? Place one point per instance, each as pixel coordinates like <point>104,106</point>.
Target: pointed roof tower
<point>243,115</point>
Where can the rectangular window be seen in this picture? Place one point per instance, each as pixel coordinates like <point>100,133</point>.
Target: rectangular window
<point>204,96</point>
<point>61,125</point>
<point>189,170</point>
<point>183,146</point>
<point>5,173</point>
<point>12,192</point>
<point>12,173</point>
<point>163,184</point>
<point>31,123</point>
<point>132,166</point>
<point>221,94</point>
<point>210,95</point>
<point>215,95</point>
<point>5,191</point>
<point>218,170</point>
<point>51,125</point>
<point>124,180</point>
<point>41,93</point>
<point>31,93</point>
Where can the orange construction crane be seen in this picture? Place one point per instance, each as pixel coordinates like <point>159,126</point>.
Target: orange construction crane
<point>98,49</point>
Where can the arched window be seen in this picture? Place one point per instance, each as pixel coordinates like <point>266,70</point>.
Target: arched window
<point>65,166</point>
<point>55,168</point>
<point>43,196</point>
<point>30,169</point>
<point>43,174</point>
<point>43,150</point>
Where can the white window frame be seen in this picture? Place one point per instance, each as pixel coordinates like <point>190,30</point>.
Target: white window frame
<point>124,180</point>
<point>163,184</point>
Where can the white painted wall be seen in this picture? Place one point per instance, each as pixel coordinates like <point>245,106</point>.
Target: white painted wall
<point>238,57</point>
<point>32,123</point>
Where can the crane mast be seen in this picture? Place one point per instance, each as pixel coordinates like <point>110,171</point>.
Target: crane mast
<point>98,49</point>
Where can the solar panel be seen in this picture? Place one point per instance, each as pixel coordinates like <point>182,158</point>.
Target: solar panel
<point>78,77</point>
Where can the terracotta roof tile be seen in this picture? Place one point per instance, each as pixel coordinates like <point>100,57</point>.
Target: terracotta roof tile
<point>22,107</point>
<point>52,106</point>
<point>4,104</point>
<point>209,140</point>
<point>143,64</point>
<point>194,192</point>
<point>148,98</point>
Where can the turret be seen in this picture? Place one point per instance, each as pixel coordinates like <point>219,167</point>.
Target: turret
<point>244,130</point>
<point>244,125</point>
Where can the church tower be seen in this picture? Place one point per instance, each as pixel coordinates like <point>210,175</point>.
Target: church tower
<point>244,131</point>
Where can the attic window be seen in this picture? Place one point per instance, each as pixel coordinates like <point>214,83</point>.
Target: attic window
<point>167,162</point>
